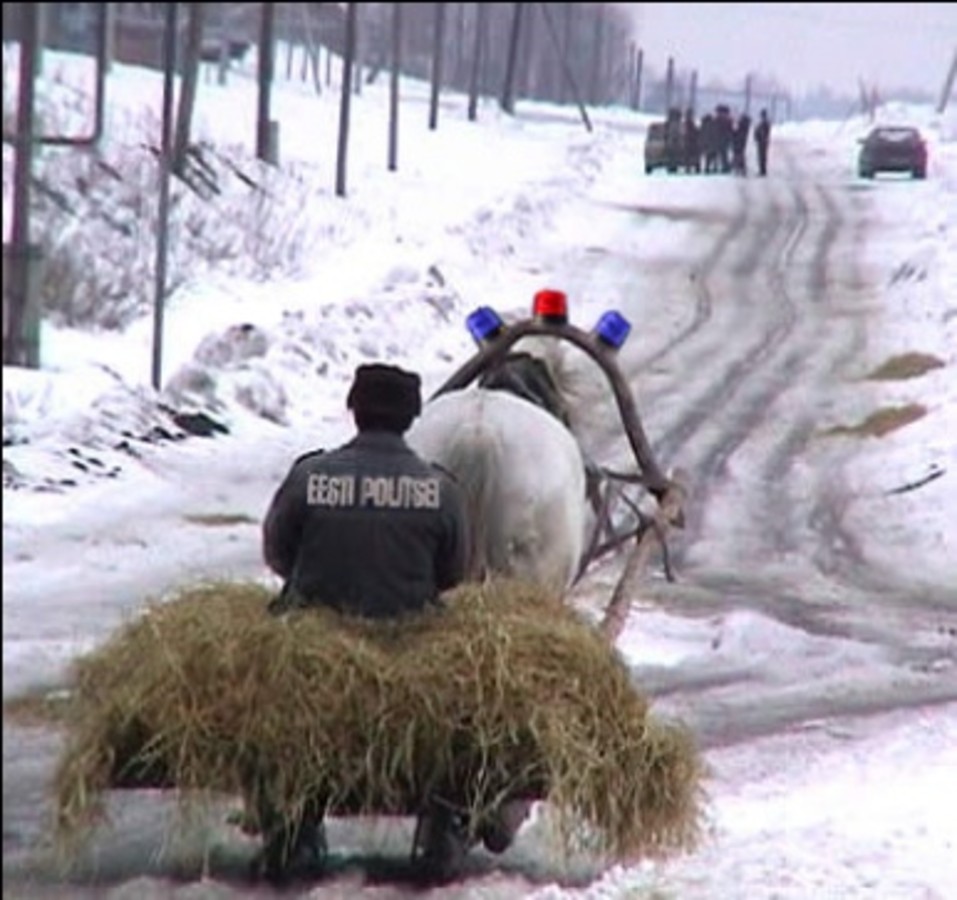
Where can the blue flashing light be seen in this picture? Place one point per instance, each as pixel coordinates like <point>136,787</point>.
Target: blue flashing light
<point>484,323</point>
<point>613,329</point>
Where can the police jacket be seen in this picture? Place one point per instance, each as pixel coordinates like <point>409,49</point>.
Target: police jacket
<point>369,528</point>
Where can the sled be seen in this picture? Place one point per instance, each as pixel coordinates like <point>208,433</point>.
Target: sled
<point>619,520</point>
<point>141,741</point>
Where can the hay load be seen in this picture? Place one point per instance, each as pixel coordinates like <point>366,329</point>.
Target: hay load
<point>506,692</point>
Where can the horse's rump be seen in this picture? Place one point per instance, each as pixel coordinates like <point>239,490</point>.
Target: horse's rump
<point>523,475</point>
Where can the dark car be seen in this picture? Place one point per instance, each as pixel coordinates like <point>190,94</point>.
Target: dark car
<point>897,148</point>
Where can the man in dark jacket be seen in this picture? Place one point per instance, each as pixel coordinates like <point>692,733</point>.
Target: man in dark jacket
<point>742,130</point>
<point>708,139</point>
<point>369,528</point>
<point>762,138</point>
<point>692,142</point>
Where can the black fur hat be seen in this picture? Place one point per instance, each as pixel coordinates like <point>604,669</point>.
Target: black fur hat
<point>383,390</point>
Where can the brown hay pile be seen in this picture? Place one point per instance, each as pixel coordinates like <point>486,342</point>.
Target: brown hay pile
<point>506,692</point>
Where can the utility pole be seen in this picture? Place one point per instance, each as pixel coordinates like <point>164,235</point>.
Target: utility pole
<point>166,164</point>
<point>478,58</point>
<point>569,79</point>
<point>394,86</point>
<point>188,84</point>
<point>438,39</point>
<point>265,141</point>
<point>639,65</point>
<point>508,88</point>
<point>670,85</point>
<point>948,88</point>
<point>21,344</point>
<point>349,54</point>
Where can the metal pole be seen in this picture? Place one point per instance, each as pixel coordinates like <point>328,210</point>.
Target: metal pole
<point>569,79</point>
<point>438,38</point>
<point>17,349</point>
<point>103,59</point>
<point>342,148</point>
<point>394,86</point>
<point>109,42</point>
<point>266,52</point>
<point>166,150</point>
<point>669,85</point>
<point>507,102</point>
<point>478,58</point>
<point>102,65</point>
<point>639,67</point>
<point>948,87</point>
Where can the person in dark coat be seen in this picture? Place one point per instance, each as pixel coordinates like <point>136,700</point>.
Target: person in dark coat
<point>742,130</point>
<point>762,138</point>
<point>724,136</point>
<point>708,141</point>
<point>674,140</point>
<point>369,528</point>
<point>692,143</point>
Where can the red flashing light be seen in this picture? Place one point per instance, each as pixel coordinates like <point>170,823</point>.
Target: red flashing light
<point>551,306</point>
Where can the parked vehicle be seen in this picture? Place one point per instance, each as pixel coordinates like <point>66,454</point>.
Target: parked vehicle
<point>893,148</point>
<point>656,147</point>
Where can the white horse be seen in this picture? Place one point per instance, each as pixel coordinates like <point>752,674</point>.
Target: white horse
<point>523,472</point>
<point>524,477</point>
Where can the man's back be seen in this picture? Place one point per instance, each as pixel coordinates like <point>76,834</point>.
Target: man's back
<point>369,528</point>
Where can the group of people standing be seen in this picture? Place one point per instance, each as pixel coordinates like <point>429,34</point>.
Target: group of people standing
<point>718,142</point>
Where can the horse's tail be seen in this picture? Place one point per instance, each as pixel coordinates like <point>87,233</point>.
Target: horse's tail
<point>474,466</point>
